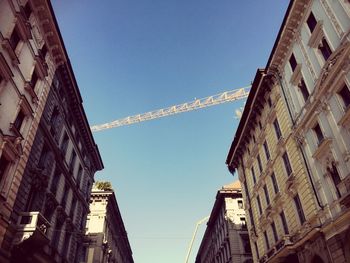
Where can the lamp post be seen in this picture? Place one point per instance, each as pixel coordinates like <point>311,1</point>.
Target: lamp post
<point>194,235</point>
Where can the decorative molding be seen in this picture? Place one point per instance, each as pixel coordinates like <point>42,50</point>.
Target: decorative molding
<point>316,35</point>
<point>306,59</point>
<point>332,18</point>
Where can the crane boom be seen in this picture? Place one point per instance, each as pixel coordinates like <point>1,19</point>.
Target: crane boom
<point>220,98</point>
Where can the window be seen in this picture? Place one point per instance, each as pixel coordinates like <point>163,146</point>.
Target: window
<point>259,204</point>
<point>43,51</point>
<point>325,49</point>
<point>303,89</point>
<point>277,129</point>
<point>254,140</point>
<point>34,79</point>
<point>274,231</point>
<point>72,208</point>
<point>55,181</point>
<point>19,120</point>
<point>299,209</point>
<point>274,183</point>
<point>251,218</point>
<point>260,126</point>
<point>27,10</point>
<point>286,163</point>
<point>284,223</point>
<point>14,39</point>
<point>43,157</point>
<point>311,22</point>
<point>4,164</point>
<point>266,149</point>
<point>67,238</point>
<point>318,132</point>
<point>54,120</point>
<point>80,172</point>
<point>266,241</point>
<point>267,197</point>
<point>65,195</point>
<point>333,171</point>
<point>243,222</point>
<point>269,102</point>
<point>64,144</point>
<point>344,94</point>
<point>56,234</point>
<point>72,161</point>
<point>293,62</point>
<point>240,204</point>
<point>259,163</point>
<point>253,175</point>
<point>256,249</point>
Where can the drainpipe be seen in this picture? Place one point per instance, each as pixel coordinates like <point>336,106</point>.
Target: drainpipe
<point>278,77</point>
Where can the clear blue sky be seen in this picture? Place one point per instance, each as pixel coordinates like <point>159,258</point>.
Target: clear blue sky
<point>131,57</point>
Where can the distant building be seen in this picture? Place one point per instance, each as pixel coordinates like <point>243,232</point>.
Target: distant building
<point>226,237</point>
<point>48,155</point>
<point>106,238</point>
<point>291,148</point>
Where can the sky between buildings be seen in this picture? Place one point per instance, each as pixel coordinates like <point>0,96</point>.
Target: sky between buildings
<point>130,57</point>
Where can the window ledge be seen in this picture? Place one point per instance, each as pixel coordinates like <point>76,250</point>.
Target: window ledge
<point>12,53</point>
<point>323,148</point>
<point>296,76</point>
<point>316,35</point>
<point>29,87</point>
<point>345,120</point>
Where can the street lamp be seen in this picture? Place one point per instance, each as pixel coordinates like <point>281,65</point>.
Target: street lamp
<point>194,235</point>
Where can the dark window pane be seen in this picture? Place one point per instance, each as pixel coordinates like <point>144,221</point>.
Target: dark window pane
<point>318,132</point>
<point>34,79</point>
<point>253,175</point>
<point>311,22</point>
<point>267,152</point>
<point>303,89</point>
<point>259,204</point>
<point>277,129</point>
<point>14,39</point>
<point>274,182</point>
<point>27,10</point>
<point>274,231</point>
<point>293,62</point>
<point>299,209</point>
<point>19,120</point>
<point>266,241</point>
<point>344,93</point>
<point>325,49</point>
<point>4,163</point>
<point>284,223</point>
<point>287,163</point>
<point>64,144</point>
<point>267,197</point>
<point>259,163</point>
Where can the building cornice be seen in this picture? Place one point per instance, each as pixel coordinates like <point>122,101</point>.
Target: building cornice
<point>53,38</point>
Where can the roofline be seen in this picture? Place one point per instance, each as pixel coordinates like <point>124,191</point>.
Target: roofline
<point>99,165</point>
<point>280,33</point>
<point>260,73</point>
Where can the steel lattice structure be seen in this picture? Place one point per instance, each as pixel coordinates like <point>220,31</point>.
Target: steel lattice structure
<point>196,104</point>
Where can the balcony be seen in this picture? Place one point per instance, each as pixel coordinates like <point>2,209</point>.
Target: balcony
<point>278,249</point>
<point>32,226</point>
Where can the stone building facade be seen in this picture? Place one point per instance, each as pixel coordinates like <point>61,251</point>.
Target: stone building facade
<point>226,237</point>
<point>29,54</point>
<point>305,87</point>
<point>106,237</point>
<point>48,180</point>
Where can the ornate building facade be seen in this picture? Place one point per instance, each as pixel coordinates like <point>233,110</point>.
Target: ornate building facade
<point>48,154</point>
<point>106,237</point>
<point>226,237</point>
<point>28,60</point>
<point>303,98</point>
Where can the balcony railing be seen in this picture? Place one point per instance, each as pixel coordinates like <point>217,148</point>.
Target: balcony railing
<point>33,226</point>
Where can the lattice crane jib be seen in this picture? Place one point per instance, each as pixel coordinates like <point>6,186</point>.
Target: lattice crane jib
<point>196,104</point>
